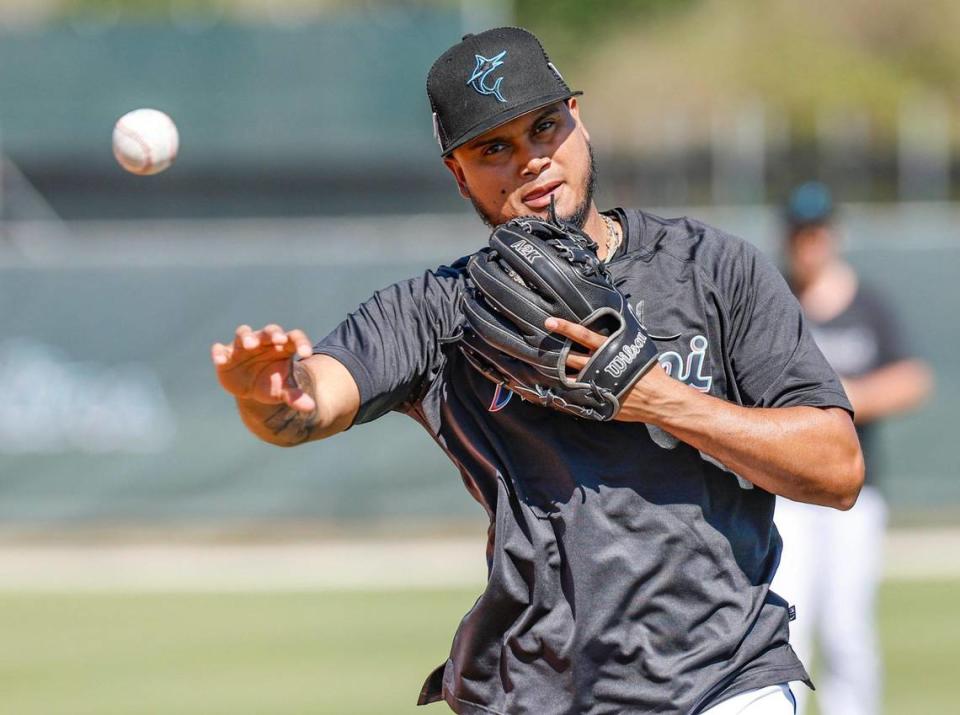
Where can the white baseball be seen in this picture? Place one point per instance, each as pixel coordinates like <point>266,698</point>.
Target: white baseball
<point>145,141</point>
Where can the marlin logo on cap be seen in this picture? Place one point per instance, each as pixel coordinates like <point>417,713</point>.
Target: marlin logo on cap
<point>478,80</point>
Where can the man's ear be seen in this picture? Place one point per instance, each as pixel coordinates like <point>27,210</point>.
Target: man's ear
<point>454,166</point>
<point>574,108</point>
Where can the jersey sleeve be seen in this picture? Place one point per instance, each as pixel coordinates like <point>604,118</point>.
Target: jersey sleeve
<point>775,361</point>
<point>393,343</point>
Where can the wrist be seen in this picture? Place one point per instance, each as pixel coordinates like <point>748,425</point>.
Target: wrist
<point>655,399</point>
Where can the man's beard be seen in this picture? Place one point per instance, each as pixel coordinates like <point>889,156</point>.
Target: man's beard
<point>579,216</point>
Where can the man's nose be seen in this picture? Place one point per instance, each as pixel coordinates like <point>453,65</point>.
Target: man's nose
<point>535,165</point>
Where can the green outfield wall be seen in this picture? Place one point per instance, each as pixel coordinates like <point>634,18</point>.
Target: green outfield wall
<point>110,408</point>
<point>288,94</point>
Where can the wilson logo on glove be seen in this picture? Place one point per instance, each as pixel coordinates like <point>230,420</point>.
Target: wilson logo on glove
<point>509,296</point>
<point>624,359</point>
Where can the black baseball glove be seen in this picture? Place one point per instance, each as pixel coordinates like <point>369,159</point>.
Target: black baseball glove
<point>535,269</point>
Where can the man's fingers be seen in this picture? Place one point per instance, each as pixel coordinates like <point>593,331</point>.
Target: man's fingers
<point>246,338</point>
<point>577,362</point>
<point>301,343</point>
<point>577,333</point>
<point>273,334</point>
<point>271,342</point>
<point>299,400</point>
<point>291,395</point>
<point>220,353</point>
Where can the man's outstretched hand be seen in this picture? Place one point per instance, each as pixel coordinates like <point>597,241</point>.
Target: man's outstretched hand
<point>257,366</point>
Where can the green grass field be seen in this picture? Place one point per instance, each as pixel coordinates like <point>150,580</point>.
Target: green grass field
<point>336,653</point>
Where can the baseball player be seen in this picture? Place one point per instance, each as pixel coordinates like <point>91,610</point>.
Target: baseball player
<point>831,560</point>
<point>629,561</point>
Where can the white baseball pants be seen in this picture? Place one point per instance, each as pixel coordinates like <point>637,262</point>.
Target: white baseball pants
<point>830,570</point>
<point>771,700</point>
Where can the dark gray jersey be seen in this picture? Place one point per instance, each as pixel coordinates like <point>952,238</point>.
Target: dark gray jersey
<point>628,573</point>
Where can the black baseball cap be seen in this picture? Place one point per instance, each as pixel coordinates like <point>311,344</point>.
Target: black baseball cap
<point>810,204</point>
<point>488,79</point>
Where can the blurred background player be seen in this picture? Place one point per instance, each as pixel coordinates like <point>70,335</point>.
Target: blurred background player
<point>831,562</point>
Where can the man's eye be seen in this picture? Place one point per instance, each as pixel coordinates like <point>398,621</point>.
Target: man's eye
<point>545,125</point>
<point>492,149</point>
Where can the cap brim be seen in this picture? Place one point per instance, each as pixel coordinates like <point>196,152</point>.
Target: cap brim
<point>509,115</point>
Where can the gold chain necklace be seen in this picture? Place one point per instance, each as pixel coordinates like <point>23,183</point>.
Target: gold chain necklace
<point>613,238</point>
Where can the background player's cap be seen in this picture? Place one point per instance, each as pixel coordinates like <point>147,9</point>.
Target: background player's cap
<point>810,204</point>
<point>488,79</point>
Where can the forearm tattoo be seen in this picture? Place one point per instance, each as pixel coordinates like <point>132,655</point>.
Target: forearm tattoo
<point>292,426</point>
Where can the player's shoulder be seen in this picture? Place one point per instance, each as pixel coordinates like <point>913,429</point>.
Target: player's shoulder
<point>452,272</point>
<point>455,269</point>
<point>690,240</point>
<point>449,276</point>
<point>433,287</point>
<point>442,286</point>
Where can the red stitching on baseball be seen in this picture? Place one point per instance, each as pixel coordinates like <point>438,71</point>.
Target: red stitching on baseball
<point>131,134</point>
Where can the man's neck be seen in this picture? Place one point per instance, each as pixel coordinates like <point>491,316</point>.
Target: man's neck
<point>596,228</point>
